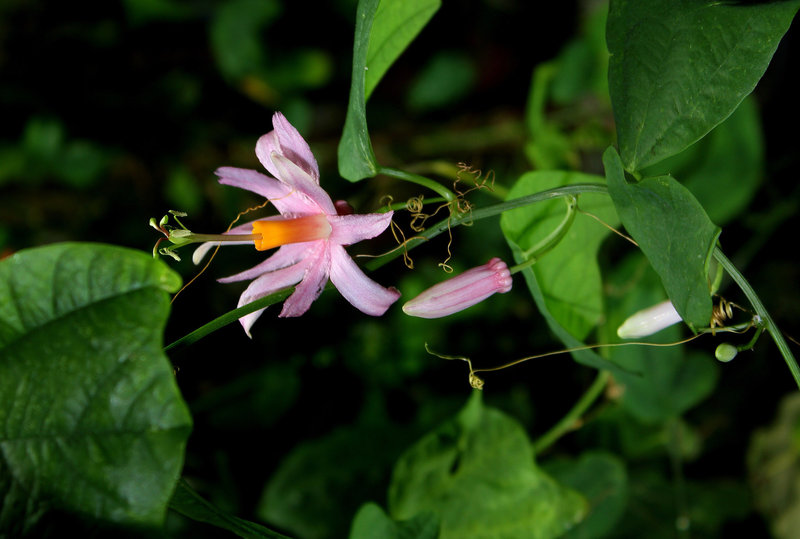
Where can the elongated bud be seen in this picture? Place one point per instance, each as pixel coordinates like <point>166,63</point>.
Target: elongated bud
<point>649,321</point>
<point>462,291</point>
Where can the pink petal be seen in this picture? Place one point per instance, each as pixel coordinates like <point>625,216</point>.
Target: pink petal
<point>283,257</point>
<point>266,146</point>
<point>299,180</point>
<point>253,181</point>
<point>294,146</point>
<point>266,285</point>
<point>318,265</point>
<point>349,229</point>
<point>280,194</point>
<point>362,292</point>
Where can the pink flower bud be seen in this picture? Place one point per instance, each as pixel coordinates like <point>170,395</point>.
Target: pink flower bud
<point>461,291</point>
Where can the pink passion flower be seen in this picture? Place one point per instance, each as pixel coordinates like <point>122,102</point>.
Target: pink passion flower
<point>309,232</point>
<point>462,291</point>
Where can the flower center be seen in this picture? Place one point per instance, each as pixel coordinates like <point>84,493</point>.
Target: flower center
<point>282,231</point>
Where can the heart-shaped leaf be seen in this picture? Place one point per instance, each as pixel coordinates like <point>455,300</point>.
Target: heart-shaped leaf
<point>91,420</point>
<point>565,283</point>
<point>680,67</point>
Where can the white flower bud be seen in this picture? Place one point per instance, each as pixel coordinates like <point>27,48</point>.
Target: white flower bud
<point>649,321</point>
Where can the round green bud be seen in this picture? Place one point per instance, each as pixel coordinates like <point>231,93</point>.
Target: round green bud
<point>726,352</point>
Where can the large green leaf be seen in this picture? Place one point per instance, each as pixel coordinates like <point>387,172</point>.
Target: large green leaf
<point>565,283</point>
<point>477,472</point>
<point>680,67</point>
<point>396,24</point>
<point>673,231</point>
<point>91,420</point>
<point>569,275</point>
<point>384,28</point>
<point>724,168</point>
<point>372,523</point>
<point>356,158</point>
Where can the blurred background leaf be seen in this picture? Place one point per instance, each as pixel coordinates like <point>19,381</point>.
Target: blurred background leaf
<point>602,479</point>
<point>371,521</point>
<point>481,455</point>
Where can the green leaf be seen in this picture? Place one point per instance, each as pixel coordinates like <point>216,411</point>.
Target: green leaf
<point>91,419</point>
<point>673,231</point>
<point>384,28</point>
<point>724,168</point>
<point>602,479</point>
<point>371,522</point>
<point>568,275</point>
<point>680,67</point>
<point>565,283</point>
<point>356,158</point>
<point>396,24</point>
<point>190,504</point>
<point>477,472</point>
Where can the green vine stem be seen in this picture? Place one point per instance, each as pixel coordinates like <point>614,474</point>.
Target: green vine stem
<point>567,422</point>
<point>447,169</point>
<point>551,240</point>
<point>227,318</point>
<point>766,319</point>
<point>437,187</point>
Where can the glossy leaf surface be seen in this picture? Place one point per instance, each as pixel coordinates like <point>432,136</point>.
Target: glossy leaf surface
<point>680,67</point>
<point>91,419</point>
